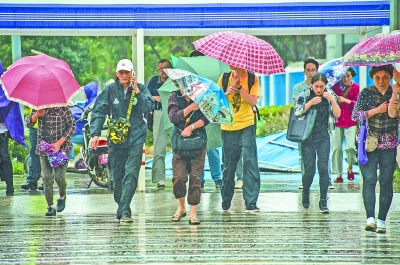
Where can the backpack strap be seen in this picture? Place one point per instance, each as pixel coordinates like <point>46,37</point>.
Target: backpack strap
<point>225,80</point>
<point>251,77</point>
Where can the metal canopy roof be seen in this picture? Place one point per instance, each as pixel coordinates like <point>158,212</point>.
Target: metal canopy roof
<point>198,18</point>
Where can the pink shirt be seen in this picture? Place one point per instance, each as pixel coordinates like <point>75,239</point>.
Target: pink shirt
<point>345,120</point>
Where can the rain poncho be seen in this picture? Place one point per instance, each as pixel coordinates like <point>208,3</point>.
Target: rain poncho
<point>12,115</point>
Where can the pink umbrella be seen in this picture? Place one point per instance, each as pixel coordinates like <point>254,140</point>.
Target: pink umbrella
<point>379,49</point>
<point>241,50</point>
<point>40,81</point>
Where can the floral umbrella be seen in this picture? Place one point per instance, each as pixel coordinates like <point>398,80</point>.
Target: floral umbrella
<point>379,49</point>
<point>334,70</point>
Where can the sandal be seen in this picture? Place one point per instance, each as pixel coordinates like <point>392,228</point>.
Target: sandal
<point>193,220</point>
<point>178,216</point>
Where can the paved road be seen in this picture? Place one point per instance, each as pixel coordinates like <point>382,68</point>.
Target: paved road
<point>283,233</point>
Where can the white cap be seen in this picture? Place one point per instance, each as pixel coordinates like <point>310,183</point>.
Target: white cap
<point>397,66</point>
<point>124,64</point>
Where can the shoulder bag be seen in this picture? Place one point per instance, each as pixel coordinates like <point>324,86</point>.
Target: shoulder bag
<point>118,129</point>
<point>300,128</point>
<point>371,143</point>
<point>189,147</point>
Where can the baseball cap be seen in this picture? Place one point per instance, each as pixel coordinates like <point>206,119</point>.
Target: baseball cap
<point>124,64</point>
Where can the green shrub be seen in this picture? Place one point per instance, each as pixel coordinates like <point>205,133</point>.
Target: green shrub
<point>18,168</point>
<point>276,118</point>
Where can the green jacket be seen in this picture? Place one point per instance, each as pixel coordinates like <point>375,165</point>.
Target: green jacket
<point>113,100</point>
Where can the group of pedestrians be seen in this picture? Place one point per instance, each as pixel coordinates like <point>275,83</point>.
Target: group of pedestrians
<point>338,111</point>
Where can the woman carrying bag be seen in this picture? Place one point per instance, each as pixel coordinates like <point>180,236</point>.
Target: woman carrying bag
<point>189,125</point>
<point>373,104</point>
<point>318,144</point>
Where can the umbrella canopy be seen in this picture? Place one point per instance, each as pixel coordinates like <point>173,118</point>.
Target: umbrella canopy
<point>334,70</point>
<point>241,50</point>
<point>40,81</point>
<point>379,49</point>
<point>206,93</point>
<point>203,66</point>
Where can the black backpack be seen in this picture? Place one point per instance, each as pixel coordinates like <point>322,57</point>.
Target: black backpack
<point>250,82</point>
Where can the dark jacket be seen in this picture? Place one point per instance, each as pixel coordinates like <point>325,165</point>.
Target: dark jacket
<point>114,101</point>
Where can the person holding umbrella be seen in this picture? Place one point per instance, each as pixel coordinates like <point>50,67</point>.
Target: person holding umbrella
<point>118,99</point>
<point>373,104</point>
<point>56,127</point>
<point>187,118</point>
<point>239,140</point>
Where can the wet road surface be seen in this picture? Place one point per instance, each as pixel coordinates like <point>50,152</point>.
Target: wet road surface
<point>86,232</point>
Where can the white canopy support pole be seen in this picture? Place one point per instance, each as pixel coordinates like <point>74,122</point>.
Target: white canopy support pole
<point>138,62</point>
<point>138,53</point>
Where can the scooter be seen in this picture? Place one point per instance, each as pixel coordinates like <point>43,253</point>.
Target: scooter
<point>94,162</point>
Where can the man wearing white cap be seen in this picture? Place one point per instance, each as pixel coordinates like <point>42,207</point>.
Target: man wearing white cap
<point>124,160</point>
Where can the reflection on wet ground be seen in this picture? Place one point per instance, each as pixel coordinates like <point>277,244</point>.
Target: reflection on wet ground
<point>88,233</point>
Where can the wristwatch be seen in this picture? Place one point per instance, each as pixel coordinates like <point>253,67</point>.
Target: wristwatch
<point>192,127</point>
<point>238,88</point>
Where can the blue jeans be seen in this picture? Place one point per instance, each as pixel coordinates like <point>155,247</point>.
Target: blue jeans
<point>124,166</point>
<point>317,146</point>
<point>34,171</point>
<point>237,144</point>
<point>5,164</point>
<point>75,139</point>
<point>215,165</point>
<point>386,161</point>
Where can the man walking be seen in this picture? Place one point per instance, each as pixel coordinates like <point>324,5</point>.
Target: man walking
<point>239,139</point>
<point>117,99</point>
<point>160,136</point>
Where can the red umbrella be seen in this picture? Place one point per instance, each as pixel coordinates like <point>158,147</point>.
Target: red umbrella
<point>379,49</point>
<point>40,81</point>
<point>241,50</point>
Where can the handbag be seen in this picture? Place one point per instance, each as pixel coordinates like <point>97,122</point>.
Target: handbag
<point>371,143</point>
<point>118,129</point>
<point>189,147</point>
<point>362,137</point>
<point>300,128</point>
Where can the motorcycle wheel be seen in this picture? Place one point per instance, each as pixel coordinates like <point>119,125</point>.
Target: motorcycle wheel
<point>101,177</point>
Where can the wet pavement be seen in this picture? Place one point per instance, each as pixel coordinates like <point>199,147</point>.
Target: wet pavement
<point>86,232</point>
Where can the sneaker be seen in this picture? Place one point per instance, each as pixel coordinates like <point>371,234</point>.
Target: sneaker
<point>339,179</point>
<point>41,187</point>
<point>370,227</point>
<point>239,184</point>
<point>61,204</point>
<point>218,184</point>
<point>226,206</point>
<point>300,187</point>
<point>380,226</point>
<point>10,191</point>
<point>126,217</point>
<point>161,185</point>
<point>323,208</point>
<point>350,175</point>
<point>50,211</point>
<point>253,210</point>
<point>305,199</point>
<point>331,187</point>
<point>29,186</point>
